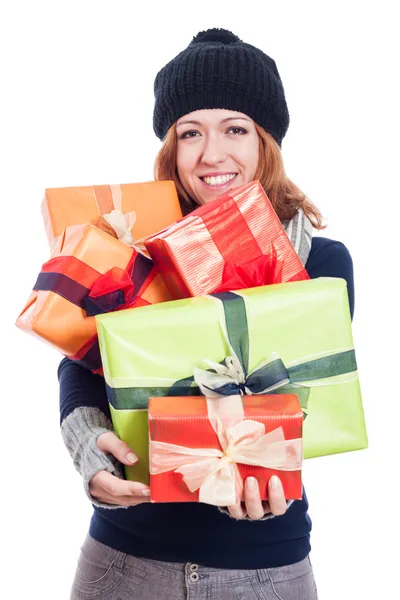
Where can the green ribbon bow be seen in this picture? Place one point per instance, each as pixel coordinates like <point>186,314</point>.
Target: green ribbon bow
<point>231,376</point>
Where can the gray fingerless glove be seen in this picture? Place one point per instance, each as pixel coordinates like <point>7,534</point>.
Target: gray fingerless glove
<point>80,431</point>
<point>264,518</point>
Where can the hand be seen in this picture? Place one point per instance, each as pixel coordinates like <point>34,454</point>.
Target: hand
<point>253,507</point>
<point>109,489</point>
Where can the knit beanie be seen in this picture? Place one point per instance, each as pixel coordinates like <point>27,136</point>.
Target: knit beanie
<point>218,70</point>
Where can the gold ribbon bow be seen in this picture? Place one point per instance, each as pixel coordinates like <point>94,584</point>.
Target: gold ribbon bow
<point>214,472</point>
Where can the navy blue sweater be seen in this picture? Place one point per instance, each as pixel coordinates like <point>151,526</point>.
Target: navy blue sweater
<point>200,533</point>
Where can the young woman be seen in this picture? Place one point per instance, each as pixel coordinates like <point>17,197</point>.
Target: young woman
<point>221,111</point>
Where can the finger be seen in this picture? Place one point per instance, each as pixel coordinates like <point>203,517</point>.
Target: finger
<point>132,500</point>
<point>120,500</point>
<point>107,483</point>
<point>237,511</point>
<point>267,508</point>
<point>109,442</point>
<point>276,495</point>
<point>124,500</point>
<point>252,498</point>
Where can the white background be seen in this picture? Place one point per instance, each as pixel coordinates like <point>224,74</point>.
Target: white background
<point>76,109</point>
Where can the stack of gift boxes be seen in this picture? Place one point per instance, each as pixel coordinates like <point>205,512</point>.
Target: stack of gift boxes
<point>222,358</point>
<point>97,263</point>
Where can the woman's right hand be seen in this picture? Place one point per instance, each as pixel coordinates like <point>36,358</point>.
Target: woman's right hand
<point>108,489</point>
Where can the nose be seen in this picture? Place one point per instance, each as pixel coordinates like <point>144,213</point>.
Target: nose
<point>213,151</point>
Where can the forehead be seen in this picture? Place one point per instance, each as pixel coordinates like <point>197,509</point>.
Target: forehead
<point>211,116</point>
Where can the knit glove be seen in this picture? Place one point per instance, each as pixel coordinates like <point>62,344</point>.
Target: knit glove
<point>80,430</point>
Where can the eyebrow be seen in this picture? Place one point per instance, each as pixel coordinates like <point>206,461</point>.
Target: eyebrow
<point>193,122</point>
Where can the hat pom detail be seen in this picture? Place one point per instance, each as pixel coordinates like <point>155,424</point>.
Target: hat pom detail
<point>222,36</point>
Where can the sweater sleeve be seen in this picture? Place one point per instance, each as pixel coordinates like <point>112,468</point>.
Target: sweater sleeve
<point>84,416</point>
<point>80,388</point>
<point>332,259</point>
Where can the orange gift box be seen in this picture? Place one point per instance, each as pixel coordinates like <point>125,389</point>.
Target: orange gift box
<point>155,203</point>
<point>90,272</point>
<point>236,229</point>
<point>190,462</point>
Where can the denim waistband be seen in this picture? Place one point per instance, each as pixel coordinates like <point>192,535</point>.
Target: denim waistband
<point>214,576</point>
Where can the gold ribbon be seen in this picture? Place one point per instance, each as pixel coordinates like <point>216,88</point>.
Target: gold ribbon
<point>119,225</point>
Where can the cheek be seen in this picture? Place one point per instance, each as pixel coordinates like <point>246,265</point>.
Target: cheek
<point>256,158</point>
<point>185,163</point>
<point>249,157</point>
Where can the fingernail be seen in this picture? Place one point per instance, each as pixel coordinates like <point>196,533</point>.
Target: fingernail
<point>144,493</point>
<point>131,457</point>
<point>252,483</point>
<point>275,482</point>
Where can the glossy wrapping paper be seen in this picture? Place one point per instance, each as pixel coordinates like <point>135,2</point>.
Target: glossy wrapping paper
<point>192,253</point>
<point>155,351</point>
<point>87,262</point>
<point>183,424</point>
<point>155,203</point>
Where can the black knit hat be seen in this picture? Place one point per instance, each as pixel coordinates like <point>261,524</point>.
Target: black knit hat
<point>218,70</point>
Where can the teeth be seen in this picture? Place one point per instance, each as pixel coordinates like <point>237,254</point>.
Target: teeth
<point>219,180</point>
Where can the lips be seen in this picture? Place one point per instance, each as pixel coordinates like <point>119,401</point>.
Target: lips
<point>216,180</point>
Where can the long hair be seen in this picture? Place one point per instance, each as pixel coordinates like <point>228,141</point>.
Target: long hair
<point>284,195</point>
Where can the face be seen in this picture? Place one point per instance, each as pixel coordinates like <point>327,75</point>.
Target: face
<point>217,150</point>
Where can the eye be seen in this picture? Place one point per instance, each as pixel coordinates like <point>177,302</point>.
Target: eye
<point>237,130</point>
<point>188,134</point>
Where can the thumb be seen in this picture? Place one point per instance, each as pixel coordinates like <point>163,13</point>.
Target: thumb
<point>109,442</point>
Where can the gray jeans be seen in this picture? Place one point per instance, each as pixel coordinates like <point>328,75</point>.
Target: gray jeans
<point>106,574</point>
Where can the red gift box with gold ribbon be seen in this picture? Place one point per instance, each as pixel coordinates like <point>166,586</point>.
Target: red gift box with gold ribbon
<point>193,254</point>
<point>202,449</point>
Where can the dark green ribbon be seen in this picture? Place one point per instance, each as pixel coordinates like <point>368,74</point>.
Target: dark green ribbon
<point>272,375</point>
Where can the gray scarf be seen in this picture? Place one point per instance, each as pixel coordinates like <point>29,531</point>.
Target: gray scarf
<point>299,231</point>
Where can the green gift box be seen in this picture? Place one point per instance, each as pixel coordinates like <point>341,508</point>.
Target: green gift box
<point>285,338</point>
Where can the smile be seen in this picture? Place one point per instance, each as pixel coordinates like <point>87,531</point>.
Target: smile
<point>219,179</point>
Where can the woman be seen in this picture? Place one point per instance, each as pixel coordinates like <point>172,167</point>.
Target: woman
<point>221,110</point>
